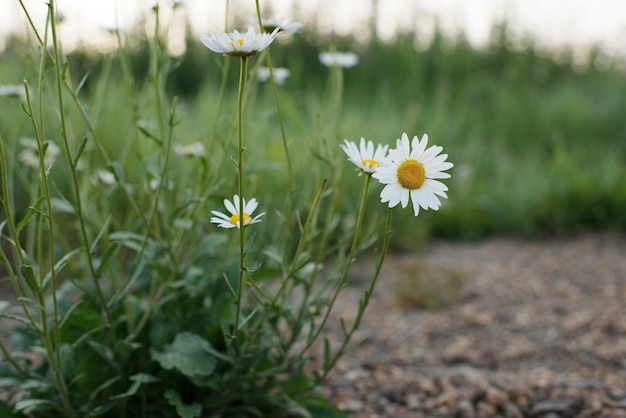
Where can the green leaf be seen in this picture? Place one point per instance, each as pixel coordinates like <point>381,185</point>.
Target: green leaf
<point>32,405</point>
<point>118,171</point>
<point>29,277</point>
<point>183,410</point>
<point>62,206</point>
<point>32,210</point>
<point>80,86</point>
<point>138,379</point>
<point>189,353</point>
<point>81,149</point>
<point>249,242</point>
<point>108,253</point>
<point>326,353</point>
<point>319,407</point>
<point>58,266</point>
<point>148,134</point>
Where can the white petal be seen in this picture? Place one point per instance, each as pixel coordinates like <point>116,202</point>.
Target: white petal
<point>251,206</point>
<point>232,207</point>
<point>220,215</point>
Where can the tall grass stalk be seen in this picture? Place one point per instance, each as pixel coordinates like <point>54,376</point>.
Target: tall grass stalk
<point>240,188</point>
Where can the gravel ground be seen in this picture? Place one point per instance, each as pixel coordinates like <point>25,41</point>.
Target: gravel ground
<point>499,328</point>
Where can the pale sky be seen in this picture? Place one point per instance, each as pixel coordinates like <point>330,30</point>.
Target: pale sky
<point>554,22</point>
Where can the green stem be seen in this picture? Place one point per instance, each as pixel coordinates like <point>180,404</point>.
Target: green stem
<point>362,304</point>
<point>349,261</point>
<point>75,180</point>
<point>242,232</point>
<point>290,179</point>
<point>11,225</point>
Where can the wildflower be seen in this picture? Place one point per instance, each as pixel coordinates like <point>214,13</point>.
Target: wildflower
<point>364,156</point>
<point>280,74</point>
<point>156,182</point>
<point>283,25</point>
<point>339,59</point>
<point>30,153</point>
<point>410,170</point>
<point>225,221</point>
<point>191,150</point>
<point>183,223</point>
<point>105,177</point>
<point>17,90</point>
<point>239,44</point>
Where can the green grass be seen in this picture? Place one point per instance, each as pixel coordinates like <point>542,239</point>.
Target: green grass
<point>539,147</point>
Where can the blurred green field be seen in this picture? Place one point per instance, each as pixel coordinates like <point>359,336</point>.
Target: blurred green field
<point>538,141</point>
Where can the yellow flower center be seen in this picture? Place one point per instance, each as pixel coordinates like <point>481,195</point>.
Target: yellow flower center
<point>238,40</point>
<point>371,163</point>
<point>411,174</point>
<point>235,219</point>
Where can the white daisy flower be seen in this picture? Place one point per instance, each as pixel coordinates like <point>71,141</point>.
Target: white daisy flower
<point>283,25</point>
<point>225,221</point>
<point>339,59</point>
<point>30,153</point>
<point>18,91</point>
<point>364,156</point>
<point>280,74</point>
<point>105,177</point>
<point>410,170</point>
<point>238,44</point>
<point>191,150</point>
<point>156,182</point>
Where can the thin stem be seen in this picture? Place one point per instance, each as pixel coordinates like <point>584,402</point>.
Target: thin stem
<point>280,116</point>
<point>362,304</point>
<point>45,186</point>
<point>75,180</point>
<point>11,224</point>
<point>344,275</point>
<point>242,232</point>
<point>304,235</point>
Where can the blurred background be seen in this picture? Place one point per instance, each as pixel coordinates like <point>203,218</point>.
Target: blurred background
<point>527,97</point>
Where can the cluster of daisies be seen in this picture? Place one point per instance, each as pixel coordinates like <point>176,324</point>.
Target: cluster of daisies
<point>410,171</point>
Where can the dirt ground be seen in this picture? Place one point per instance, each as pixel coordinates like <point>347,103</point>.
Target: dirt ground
<point>498,328</point>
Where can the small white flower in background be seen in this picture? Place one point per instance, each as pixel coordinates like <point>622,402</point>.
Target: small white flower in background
<point>30,153</point>
<point>280,74</point>
<point>191,150</point>
<point>154,184</point>
<point>270,24</point>
<point>339,59</point>
<point>233,220</point>
<point>16,90</point>
<point>364,156</point>
<point>238,44</point>
<point>410,170</point>
<point>105,177</point>
<point>183,223</point>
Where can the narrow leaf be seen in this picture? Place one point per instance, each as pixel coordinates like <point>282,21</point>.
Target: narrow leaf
<point>81,84</point>
<point>58,266</point>
<point>108,253</point>
<point>150,135</point>
<point>81,149</point>
<point>29,276</point>
<point>32,210</point>
<point>249,242</point>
